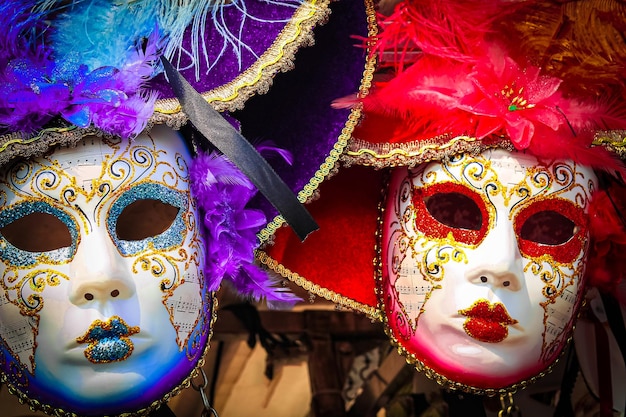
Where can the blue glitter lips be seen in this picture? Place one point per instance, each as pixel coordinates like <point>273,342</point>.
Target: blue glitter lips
<point>108,341</point>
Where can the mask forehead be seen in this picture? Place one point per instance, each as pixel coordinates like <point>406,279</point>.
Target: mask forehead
<point>136,312</point>
<point>467,278</point>
<point>508,179</point>
<point>95,168</point>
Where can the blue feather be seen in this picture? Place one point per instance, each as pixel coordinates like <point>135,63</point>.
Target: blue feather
<point>108,30</point>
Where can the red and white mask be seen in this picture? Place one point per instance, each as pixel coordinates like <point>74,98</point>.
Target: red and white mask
<point>482,264</point>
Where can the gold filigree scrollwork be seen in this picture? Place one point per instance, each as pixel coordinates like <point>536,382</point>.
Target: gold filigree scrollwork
<point>157,263</point>
<point>25,292</point>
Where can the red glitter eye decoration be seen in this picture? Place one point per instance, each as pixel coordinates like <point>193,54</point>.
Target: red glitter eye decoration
<point>449,208</point>
<point>554,227</point>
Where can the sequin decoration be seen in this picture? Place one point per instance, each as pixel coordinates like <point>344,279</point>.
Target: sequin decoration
<point>168,239</point>
<point>487,322</point>
<point>108,341</point>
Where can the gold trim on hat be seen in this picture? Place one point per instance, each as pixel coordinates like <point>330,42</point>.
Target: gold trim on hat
<point>389,155</point>
<point>28,146</point>
<point>613,140</point>
<point>329,167</point>
<point>258,78</point>
<point>307,285</point>
<point>386,155</point>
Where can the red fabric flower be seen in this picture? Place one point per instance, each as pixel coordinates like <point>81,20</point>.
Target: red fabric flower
<point>512,100</point>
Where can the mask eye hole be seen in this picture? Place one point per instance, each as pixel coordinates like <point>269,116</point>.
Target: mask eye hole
<point>554,227</point>
<point>37,232</point>
<point>448,209</point>
<point>144,218</point>
<point>548,228</point>
<point>455,210</point>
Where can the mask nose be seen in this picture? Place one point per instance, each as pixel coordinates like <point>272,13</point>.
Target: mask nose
<point>98,272</point>
<point>498,262</point>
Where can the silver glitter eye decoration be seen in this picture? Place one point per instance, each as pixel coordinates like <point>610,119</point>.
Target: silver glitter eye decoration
<point>147,215</point>
<point>30,229</point>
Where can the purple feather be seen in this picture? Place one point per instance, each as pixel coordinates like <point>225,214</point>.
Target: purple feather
<point>267,148</point>
<point>36,87</point>
<point>222,193</point>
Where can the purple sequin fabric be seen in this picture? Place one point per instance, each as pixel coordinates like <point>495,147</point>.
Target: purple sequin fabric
<point>256,26</point>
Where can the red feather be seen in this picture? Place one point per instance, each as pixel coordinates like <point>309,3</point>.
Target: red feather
<point>607,265</point>
<point>447,28</point>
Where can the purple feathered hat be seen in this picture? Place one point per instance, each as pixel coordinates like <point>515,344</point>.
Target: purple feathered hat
<point>271,68</point>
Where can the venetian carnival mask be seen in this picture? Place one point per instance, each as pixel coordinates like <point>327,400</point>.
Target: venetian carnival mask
<point>482,265</point>
<point>103,305</point>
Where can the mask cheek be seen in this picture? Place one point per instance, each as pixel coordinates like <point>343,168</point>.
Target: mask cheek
<point>559,295</point>
<point>18,334</point>
<point>185,302</point>
<point>26,303</point>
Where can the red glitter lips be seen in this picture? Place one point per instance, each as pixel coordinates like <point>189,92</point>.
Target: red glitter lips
<point>487,322</point>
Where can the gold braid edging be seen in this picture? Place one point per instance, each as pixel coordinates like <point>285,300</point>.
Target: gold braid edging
<point>332,296</point>
<point>258,78</point>
<point>387,155</point>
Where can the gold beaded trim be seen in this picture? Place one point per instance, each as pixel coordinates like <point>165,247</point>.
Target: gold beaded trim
<point>384,155</point>
<point>258,78</point>
<point>329,167</point>
<point>27,146</point>
<point>307,285</point>
<point>58,412</point>
<point>614,140</point>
